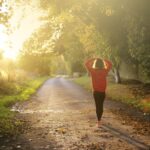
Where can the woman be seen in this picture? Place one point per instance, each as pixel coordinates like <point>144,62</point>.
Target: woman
<point>98,69</point>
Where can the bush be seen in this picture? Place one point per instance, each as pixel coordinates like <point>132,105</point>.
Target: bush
<point>8,88</point>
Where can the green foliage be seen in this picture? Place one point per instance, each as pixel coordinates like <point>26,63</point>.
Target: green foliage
<point>139,44</point>
<point>9,88</point>
<point>126,93</point>
<point>40,63</point>
<point>22,93</point>
<point>113,29</point>
<point>37,50</point>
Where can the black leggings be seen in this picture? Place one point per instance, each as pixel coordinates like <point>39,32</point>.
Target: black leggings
<point>99,100</point>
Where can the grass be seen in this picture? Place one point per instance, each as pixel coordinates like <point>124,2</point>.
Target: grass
<point>131,94</point>
<point>8,123</point>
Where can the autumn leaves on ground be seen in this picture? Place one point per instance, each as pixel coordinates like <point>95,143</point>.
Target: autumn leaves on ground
<point>45,92</point>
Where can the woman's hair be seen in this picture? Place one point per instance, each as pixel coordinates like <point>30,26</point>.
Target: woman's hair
<point>98,64</point>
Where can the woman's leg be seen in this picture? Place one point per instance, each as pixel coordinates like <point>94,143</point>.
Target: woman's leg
<point>99,100</point>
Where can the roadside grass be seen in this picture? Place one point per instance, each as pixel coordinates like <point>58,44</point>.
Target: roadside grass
<point>8,123</point>
<point>131,94</point>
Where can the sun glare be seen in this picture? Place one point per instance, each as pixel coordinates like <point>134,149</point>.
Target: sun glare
<point>23,22</point>
<point>10,54</point>
<point>4,46</point>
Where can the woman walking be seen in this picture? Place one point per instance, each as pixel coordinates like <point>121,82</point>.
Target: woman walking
<point>98,69</point>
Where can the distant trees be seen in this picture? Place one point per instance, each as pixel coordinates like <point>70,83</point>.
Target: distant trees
<point>36,53</point>
<point>113,29</point>
<point>138,36</point>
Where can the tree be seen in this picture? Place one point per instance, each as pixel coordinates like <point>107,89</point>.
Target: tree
<point>108,29</point>
<point>138,28</point>
<point>37,51</point>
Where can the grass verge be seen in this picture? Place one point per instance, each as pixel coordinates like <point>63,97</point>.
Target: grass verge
<point>8,123</point>
<point>131,94</point>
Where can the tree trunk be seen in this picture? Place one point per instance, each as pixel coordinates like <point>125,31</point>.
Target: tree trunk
<point>137,70</point>
<point>117,75</point>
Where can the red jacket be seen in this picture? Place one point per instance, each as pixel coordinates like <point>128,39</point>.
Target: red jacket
<point>98,75</point>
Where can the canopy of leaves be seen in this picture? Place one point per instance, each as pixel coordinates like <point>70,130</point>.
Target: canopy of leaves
<point>113,29</point>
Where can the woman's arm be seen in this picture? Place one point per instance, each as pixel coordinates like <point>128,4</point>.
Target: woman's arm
<point>89,63</point>
<point>108,65</point>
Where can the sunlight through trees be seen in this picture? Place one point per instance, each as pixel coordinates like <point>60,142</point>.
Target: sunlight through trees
<point>38,32</point>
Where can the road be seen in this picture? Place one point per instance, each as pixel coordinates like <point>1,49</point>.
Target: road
<point>61,116</point>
